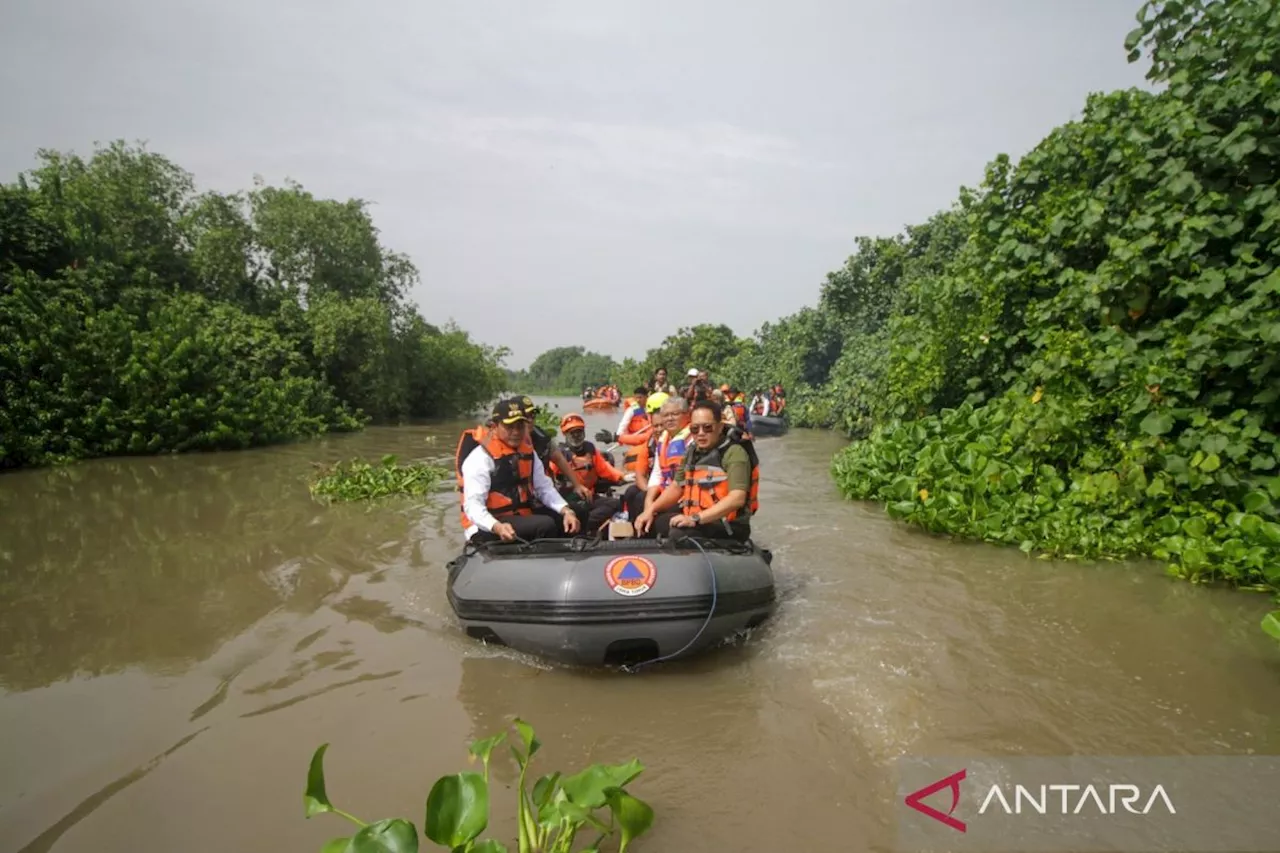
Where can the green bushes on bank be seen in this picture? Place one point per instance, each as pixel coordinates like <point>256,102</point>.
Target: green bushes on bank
<point>137,316</point>
<point>1082,356</point>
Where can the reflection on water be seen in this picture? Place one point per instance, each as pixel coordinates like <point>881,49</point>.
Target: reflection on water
<point>146,601</point>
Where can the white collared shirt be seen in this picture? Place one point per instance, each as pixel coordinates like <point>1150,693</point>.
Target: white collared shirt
<point>477,471</point>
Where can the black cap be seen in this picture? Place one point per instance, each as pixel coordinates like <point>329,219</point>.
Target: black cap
<point>509,411</point>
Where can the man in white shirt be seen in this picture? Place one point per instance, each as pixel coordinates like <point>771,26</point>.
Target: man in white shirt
<point>500,475</point>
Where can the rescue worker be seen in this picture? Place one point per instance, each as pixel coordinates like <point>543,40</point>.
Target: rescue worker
<point>759,402</point>
<point>634,416</point>
<point>777,400</point>
<point>715,492</point>
<point>637,437</point>
<point>741,417</point>
<point>547,452</point>
<point>594,471</point>
<point>499,477</point>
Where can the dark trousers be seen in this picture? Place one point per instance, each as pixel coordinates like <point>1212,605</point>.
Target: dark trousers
<point>543,524</point>
<point>594,514</point>
<point>633,500</point>
<point>714,530</point>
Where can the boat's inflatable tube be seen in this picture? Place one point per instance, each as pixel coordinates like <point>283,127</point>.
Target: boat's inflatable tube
<point>768,425</point>
<point>588,602</point>
<point>599,404</point>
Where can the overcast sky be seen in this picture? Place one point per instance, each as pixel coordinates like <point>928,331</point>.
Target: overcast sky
<point>597,173</point>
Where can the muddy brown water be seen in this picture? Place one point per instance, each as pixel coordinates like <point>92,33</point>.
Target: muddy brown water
<point>178,634</point>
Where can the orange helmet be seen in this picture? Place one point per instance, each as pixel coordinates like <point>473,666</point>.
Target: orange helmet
<point>573,420</point>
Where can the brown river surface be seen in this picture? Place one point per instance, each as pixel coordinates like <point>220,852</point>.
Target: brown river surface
<point>178,634</point>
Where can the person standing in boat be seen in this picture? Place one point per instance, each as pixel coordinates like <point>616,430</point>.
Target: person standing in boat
<point>500,475</point>
<point>659,383</point>
<point>716,490</point>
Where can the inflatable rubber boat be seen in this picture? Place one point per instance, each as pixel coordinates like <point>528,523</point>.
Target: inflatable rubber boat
<point>600,404</point>
<point>768,425</point>
<point>608,603</point>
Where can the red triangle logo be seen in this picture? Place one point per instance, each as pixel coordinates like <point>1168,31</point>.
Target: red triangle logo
<point>953,783</point>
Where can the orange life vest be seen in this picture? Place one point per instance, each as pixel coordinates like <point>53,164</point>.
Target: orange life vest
<point>510,485</point>
<point>639,421</point>
<point>582,460</point>
<point>707,483</point>
<point>637,458</point>
<point>740,416</point>
<point>671,451</point>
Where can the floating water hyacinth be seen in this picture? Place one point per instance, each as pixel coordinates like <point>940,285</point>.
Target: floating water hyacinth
<point>356,480</point>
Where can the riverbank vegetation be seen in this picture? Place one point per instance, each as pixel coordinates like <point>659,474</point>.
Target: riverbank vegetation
<point>138,316</point>
<point>550,813</point>
<point>563,372</point>
<point>1082,356</point>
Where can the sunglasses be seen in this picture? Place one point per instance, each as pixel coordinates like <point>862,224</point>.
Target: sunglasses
<point>697,428</point>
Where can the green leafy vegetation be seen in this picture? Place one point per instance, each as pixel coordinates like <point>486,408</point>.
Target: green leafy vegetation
<point>550,813</point>
<point>548,420</point>
<point>137,316</point>
<point>563,371</point>
<point>357,480</point>
<point>1081,356</point>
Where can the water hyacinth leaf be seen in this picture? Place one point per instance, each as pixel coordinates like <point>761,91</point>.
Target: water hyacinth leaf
<point>1195,527</point>
<point>1256,501</point>
<point>316,798</point>
<point>457,809</point>
<point>1157,423</point>
<point>483,749</point>
<point>531,742</point>
<point>587,788</point>
<point>575,814</point>
<point>633,816</point>
<point>544,788</point>
<point>489,845</point>
<point>336,845</point>
<point>394,835</point>
<point>1271,624</point>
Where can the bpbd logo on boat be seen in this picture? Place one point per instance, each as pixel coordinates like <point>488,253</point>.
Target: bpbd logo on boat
<point>631,575</point>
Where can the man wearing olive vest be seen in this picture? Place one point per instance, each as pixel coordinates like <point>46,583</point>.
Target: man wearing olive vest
<point>715,492</point>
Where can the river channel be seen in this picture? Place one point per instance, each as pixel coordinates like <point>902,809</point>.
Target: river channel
<point>178,634</point>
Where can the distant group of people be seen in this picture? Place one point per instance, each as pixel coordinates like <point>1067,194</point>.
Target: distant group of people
<point>689,463</point>
<point>601,392</point>
<point>769,401</point>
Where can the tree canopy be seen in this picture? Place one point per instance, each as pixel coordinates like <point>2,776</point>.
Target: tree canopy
<point>139,316</point>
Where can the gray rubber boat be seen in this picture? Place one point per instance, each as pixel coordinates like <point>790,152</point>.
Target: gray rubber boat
<point>768,425</point>
<point>600,602</point>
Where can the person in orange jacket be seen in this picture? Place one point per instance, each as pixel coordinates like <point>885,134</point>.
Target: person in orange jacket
<point>638,433</point>
<point>592,470</point>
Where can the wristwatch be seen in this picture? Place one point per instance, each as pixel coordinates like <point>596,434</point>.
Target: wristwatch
<point>697,518</point>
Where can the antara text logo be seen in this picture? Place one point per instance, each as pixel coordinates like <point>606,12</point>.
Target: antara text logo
<point>1066,798</point>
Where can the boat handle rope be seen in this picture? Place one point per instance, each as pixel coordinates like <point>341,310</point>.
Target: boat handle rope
<point>711,570</point>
